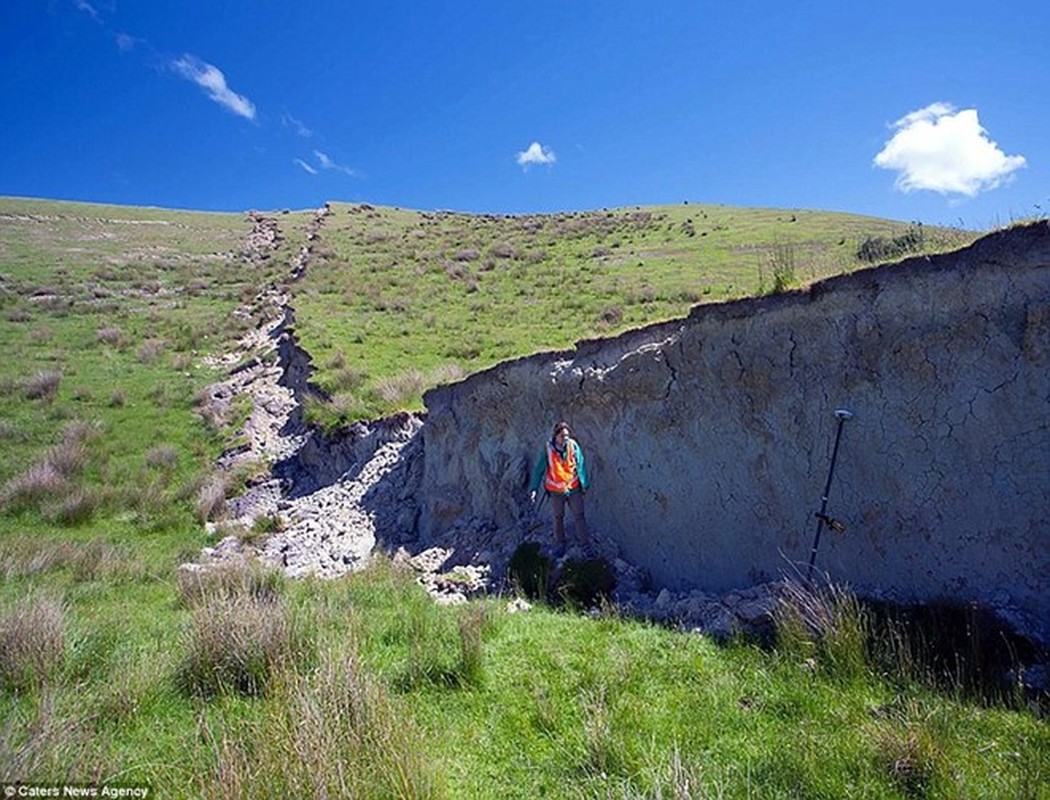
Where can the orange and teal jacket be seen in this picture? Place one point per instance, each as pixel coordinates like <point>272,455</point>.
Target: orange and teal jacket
<point>560,472</point>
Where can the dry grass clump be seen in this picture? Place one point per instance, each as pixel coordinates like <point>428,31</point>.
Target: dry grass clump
<point>448,373</point>
<point>332,733</point>
<point>212,410</point>
<point>151,350</point>
<point>74,507</point>
<point>49,484</point>
<point>43,385</point>
<point>231,579</point>
<point>237,644</point>
<point>32,642</point>
<point>23,557</point>
<point>110,335</point>
<point>211,497</point>
<point>47,746</point>
<point>162,457</point>
<point>397,389</point>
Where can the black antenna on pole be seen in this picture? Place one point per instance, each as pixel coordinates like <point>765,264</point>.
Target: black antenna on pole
<point>823,519</point>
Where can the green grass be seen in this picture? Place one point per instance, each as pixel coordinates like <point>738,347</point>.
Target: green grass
<point>377,692</point>
<point>111,664</point>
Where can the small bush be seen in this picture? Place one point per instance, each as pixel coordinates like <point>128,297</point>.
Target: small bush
<point>32,642</point>
<point>877,248</point>
<point>529,570</point>
<point>585,582</point>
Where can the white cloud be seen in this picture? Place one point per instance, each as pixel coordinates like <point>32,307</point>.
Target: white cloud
<point>328,163</point>
<point>88,9</point>
<point>304,165</point>
<point>125,42</point>
<point>297,125</point>
<point>536,154</point>
<point>940,149</point>
<point>211,79</point>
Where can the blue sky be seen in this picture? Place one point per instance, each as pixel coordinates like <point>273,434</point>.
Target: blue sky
<point>931,111</point>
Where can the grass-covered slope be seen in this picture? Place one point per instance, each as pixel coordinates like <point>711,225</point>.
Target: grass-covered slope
<point>394,301</point>
<point>116,668</point>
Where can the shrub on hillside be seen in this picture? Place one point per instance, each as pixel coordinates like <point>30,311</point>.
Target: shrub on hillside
<point>878,248</point>
<point>110,335</point>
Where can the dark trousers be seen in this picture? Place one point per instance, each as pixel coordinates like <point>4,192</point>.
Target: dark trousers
<point>575,502</point>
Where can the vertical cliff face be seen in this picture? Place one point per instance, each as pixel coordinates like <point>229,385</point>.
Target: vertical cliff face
<point>708,438</point>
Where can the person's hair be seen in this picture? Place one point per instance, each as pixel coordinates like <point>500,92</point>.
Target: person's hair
<point>561,426</point>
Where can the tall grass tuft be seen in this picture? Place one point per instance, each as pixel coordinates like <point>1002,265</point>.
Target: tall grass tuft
<point>471,666</point>
<point>33,642</point>
<point>211,497</point>
<point>43,385</point>
<point>237,644</point>
<point>908,747</point>
<point>49,484</point>
<point>87,561</point>
<point>334,732</point>
<point>47,745</point>
<point>397,390</point>
<point>74,507</point>
<point>229,580</point>
<point>824,627</point>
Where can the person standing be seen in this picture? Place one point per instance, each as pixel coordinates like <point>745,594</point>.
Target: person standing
<point>561,471</point>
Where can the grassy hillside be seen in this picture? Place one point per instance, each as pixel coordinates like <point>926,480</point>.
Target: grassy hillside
<point>113,668</point>
<point>394,301</point>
